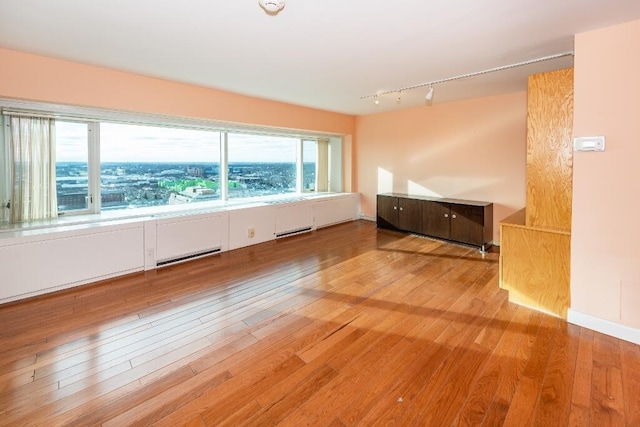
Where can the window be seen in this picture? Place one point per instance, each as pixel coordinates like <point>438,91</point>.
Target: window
<point>261,165</point>
<point>72,166</point>
<point>144,166</point>
<point>130,162</point>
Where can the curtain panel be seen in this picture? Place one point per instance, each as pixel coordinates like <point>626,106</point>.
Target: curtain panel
<point>32,152</point>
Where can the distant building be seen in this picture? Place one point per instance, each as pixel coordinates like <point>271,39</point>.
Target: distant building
<point>193,194</point>
<point>72,201</point>
<point>195,171</point>
<point>78,200</point>
<point>147,193</point>
<point>112,198</point>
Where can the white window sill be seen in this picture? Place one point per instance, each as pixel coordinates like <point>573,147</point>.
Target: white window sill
<point>10,230</point>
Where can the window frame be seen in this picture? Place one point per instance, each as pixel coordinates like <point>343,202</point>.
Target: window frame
<point>292,150</point>
<point>93,117</point>
<point>91,179</point>
<point>5,187</point>
<point>101,137</point>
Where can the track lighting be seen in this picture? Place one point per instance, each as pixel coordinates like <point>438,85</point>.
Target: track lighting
<point>399,98</point>
<point>429,96</point>
<point>376,100</point>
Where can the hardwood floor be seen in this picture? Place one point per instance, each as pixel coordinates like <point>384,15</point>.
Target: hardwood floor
<point>343,326</point>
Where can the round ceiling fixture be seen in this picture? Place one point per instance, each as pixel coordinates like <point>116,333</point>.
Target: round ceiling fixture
<point>271,6</point>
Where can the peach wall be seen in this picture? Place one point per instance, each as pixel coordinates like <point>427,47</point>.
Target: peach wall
<point>39,78</point>
<point>473,149</point>
<point>605,244</point>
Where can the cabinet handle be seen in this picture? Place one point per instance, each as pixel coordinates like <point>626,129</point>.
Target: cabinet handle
<point>395,208</point>
<point>446,215</point>
<point>453,216</point>
<point>400,207</point>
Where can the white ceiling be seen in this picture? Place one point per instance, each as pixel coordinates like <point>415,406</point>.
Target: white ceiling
<point>322,54</point>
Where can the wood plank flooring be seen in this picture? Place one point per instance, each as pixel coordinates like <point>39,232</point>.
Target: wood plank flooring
<point>344,326</point>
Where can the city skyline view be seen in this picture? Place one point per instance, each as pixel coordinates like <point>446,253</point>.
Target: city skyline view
<point>127,185</point>
<point>141,166</point>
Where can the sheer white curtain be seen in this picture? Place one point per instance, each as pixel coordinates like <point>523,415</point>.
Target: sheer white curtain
<point>32,151</point>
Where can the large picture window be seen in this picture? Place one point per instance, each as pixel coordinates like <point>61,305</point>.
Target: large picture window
<point>109,165</point>
<point>144,166</point>
<point>261,165</point>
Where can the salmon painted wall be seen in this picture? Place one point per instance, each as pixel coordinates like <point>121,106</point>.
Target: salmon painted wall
<point>605,241</point>
<point>39,78</point>
<point>473,149</point>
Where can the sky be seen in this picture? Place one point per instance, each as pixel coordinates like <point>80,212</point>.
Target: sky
<point>136,143</point>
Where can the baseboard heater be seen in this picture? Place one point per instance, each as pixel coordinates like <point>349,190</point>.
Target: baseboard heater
<point>187,257</point>
<point>292,232</point>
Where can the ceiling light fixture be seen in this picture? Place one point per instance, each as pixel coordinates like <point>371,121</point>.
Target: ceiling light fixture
<point>429,95</point>
<point>272,7</point>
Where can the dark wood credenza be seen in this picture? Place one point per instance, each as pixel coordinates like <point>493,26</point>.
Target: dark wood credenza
<point>463,221</point>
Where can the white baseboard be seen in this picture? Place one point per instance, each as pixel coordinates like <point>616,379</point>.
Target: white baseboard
<point>608,327</point>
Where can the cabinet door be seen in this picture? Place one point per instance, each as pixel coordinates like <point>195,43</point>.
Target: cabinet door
<point>467,224</point>
<point>387,212</point>
<point>410,215</point>
<point>436,219</point>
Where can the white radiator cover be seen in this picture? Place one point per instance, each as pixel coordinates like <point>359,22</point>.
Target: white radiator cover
<point>38,261</point>
<point>293,217</point>
<point>68,259</point>
<point>184,236</point>
<point>336,210</point>
<point>260,219</point>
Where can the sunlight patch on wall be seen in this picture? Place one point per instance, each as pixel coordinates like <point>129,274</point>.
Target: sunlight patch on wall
<point>416,189</point>
<point>385,181</point>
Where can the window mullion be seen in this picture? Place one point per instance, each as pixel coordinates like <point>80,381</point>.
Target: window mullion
<point>224,166</point>
<point>95,200</point>
<point>299,164</point>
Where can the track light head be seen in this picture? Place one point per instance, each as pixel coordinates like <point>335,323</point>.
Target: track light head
<point>376,100</point>
<point>429,95</point>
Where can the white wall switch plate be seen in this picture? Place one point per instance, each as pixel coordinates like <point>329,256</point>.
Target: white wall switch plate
<point>588,143</point>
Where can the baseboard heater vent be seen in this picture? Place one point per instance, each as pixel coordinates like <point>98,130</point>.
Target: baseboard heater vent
<point>187,257</point>
<point>292,232</point>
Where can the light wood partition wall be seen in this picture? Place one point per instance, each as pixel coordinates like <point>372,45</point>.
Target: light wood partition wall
<point>535,242</point>
<point>535,265</point>
<point>549,150</point>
